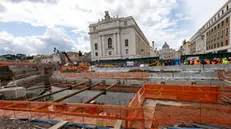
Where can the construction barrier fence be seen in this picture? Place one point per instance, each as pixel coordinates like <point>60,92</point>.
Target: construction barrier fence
<point>197,104</point>
<point>126,75</point>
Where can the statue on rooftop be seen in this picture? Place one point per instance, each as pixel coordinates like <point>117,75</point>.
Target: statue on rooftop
<point>107,16</point>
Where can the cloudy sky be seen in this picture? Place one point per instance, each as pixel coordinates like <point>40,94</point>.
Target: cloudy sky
<point>37,26</point>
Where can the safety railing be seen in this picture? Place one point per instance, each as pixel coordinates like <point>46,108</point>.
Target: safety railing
<point>144,117</point>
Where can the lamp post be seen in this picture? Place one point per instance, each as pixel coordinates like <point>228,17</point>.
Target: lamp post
<point>142,53</point>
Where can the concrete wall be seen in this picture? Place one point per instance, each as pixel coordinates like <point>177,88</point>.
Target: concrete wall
<point>168,68</point>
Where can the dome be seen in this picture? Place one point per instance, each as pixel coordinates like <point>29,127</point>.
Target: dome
<point>165,45</point>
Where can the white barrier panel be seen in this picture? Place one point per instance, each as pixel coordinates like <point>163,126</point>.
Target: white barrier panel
<point>168,68</point>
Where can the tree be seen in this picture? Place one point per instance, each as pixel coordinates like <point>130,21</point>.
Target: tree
<point>80,53</point>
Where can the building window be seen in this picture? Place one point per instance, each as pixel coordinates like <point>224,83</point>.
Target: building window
<point>227,20</point>
<point>126,51</point>
<point>215,45</point>
<point>126,42</point>
<point>109,42</point>
<point>226,42</point>
<point>96,46</point>
<point>218,35</point>
<point>222,11</point>
<point>125,23</point>
<point>222,44</point>
<point>218,15</point>
<point>212,31</point>
<point>94,28</point>
<point>96,54</point>
<point>227,8</point>
<point>215,28</point>
<point>222,32</point>
<point>222,23</point>
<point>215,36</point>
<point>218,26</point>
<point>227,31</point>
<point>218,44</point>
<point>109,53</point>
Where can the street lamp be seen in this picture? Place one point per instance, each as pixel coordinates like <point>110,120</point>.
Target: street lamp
<point>142,53</point>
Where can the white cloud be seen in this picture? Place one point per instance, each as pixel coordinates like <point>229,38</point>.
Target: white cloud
<point>200,11</point>
<point>153,17</point>
<point>53,37</point>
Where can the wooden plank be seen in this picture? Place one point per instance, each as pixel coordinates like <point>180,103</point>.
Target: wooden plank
<point>59,125</point>
<point>118,124</point>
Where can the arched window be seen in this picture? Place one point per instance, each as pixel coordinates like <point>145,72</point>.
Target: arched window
<point>109,42</point>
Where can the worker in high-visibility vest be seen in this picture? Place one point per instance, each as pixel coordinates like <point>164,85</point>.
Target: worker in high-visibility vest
<point>185,62</point>
<point>207,61</point>
<point>225,61</point>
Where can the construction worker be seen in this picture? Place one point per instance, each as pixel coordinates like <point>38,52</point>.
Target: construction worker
<point>219,61</point>
<point>229,60</point>
<point>207,61</point>
<point>185,62</point>
<point>191,62</point>
<point>213,61</point>
<point>225,61</point>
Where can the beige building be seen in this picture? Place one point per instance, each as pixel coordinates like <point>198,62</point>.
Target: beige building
<point>117,38</point>
<point>167,53</point>
<point>214,36</point>
<point>186,48</point>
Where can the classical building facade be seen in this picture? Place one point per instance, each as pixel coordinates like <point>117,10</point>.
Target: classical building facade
<point>117,38</point>
<point>167,53</point>
<point>214,36</point>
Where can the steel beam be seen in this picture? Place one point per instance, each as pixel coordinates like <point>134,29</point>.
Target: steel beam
<point>77,92</point>
<point>101,93</point>
<point>45,95</point>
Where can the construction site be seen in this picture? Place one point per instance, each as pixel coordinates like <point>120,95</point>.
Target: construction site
<point>197,96</point>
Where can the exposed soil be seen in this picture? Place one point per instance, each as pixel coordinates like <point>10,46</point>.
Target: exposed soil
<point>7,123</point>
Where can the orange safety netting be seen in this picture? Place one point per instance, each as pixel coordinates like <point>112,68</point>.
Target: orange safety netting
<point>137,114</point>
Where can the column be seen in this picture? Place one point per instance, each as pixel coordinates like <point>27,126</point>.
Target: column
<point>119,45</point>
<point>99,46</point>
<point>103,46</point>
<point>115,45</point>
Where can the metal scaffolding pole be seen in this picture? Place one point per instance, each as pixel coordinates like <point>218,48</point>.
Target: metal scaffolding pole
<point>45,95</point>
<point>77,92</point>
<point>101,93</point>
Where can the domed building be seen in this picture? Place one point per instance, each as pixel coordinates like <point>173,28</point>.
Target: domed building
<point>166,52</point>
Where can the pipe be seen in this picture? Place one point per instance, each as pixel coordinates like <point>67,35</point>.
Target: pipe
<point>45,95</point>
<point>77,92</point>
<point>101,93</point>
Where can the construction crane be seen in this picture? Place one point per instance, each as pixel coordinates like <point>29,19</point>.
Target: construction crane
<point>67,57</point>
<point>71,67</point>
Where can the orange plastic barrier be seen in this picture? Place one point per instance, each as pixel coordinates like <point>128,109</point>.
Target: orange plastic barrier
<point>131,116</point>
<point>136,114</point>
